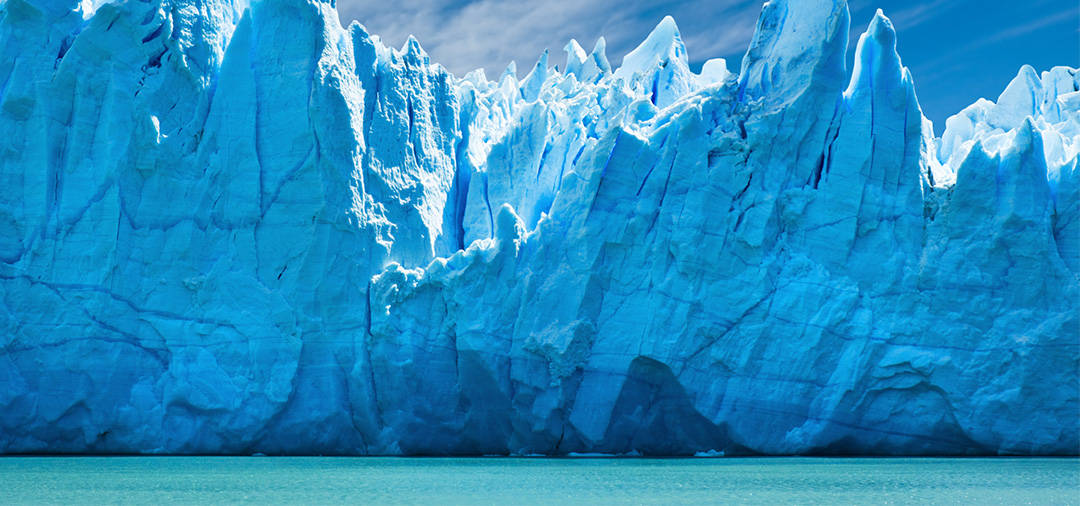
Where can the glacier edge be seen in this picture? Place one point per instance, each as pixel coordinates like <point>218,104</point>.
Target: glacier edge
<point>235,228</point>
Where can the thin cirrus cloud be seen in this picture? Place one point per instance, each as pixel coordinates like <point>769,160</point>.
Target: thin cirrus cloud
<point>491,33</point>
<point>957,50</point>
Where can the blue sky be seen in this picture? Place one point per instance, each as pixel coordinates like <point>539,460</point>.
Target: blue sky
<point>957,50</point>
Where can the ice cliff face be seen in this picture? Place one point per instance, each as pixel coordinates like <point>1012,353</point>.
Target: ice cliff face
<point>233,228</point>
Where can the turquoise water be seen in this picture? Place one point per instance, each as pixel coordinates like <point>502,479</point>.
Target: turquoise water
<point>316,480</point>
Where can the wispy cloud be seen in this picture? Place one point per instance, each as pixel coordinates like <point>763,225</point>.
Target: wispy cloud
<point>1026,28</point>
<point>911,16</point>
<point>939,65</point>
<point>464,35</point>
<point>957,49</point>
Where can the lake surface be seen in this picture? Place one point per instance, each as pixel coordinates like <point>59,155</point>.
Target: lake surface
<point>317,480</point>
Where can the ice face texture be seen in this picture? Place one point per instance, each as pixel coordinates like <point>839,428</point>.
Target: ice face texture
<point>232,228</point>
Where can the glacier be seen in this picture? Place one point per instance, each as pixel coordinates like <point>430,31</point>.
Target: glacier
<point>232,227</point>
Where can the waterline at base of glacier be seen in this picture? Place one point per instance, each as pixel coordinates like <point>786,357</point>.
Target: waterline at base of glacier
<point>94,480</point>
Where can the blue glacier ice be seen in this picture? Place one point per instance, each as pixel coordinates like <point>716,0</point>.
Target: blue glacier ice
<point>233,227</point>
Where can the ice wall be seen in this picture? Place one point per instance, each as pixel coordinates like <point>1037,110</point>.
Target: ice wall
<point>234,228</point>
